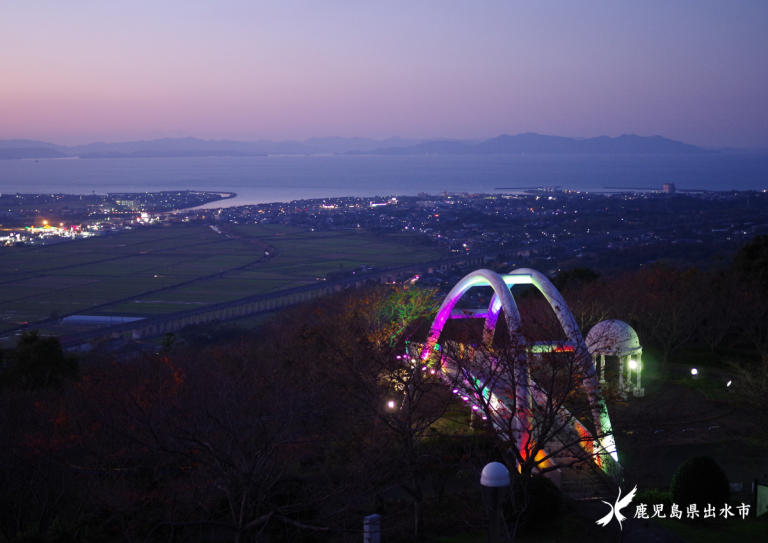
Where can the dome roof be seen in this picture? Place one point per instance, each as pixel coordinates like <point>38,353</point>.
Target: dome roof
<point>613,337</point>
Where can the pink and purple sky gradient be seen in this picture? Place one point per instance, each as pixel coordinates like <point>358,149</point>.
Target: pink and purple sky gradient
<point>94,70</point>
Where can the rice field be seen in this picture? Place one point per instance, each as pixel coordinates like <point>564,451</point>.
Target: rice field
<point>157,270</point>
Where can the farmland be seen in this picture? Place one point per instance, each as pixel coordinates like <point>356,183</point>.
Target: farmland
<point>157,270</point>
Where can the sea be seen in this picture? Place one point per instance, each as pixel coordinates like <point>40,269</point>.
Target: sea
<point>290,177</point>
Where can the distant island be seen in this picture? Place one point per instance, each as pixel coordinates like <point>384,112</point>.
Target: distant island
<point>30,152</point>
<point>180,153</point>
<point>193,147</point>
<point>537,144</point>
<point>529,143</point>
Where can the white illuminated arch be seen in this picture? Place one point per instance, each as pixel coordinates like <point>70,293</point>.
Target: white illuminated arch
<point>503,300</point>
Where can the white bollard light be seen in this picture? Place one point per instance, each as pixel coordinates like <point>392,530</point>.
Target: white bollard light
<point>372,529</point>
<point>495,482</point>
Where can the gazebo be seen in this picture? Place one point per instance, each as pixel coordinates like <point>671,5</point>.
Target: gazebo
<point>616,338</point>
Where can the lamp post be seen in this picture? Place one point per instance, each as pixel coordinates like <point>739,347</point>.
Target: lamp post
<point>495,482</point>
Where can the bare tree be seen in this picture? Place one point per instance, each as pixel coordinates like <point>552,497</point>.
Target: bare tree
<point>37,487</point>
<point>752,316</point>
<point>365,338</point>
<point>720,308</point>
<point>225,440</point>
<point>665,305</point>
<point>533,398</point>
<point>752,386</point>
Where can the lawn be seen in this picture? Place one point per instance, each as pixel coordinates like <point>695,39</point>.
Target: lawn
<point>568,527</point>
<point>719,530</point>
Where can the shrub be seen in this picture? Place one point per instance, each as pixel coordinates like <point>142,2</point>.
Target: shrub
<point>38,362</point>
<point>654,496</point>
<point>702,481</point>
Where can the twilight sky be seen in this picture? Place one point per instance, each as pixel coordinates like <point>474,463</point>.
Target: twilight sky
<point>95,70</point>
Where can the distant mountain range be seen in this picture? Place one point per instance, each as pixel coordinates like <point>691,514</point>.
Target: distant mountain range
<point>530,143</point>
<point>187,147</point>
<point>30,152</point>
<point>502,145</point>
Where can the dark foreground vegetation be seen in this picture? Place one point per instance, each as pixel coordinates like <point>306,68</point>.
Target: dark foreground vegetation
<point>286,433</point>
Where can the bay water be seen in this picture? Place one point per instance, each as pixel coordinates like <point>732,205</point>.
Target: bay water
<point>289,177</point>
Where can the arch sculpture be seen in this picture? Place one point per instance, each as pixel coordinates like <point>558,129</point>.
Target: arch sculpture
<point>513,395</point>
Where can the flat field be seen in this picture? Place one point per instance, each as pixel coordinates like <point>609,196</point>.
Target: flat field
<point>156,270</point>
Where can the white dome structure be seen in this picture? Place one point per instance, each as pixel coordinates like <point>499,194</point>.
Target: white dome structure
<point>617,338</point>
<point>614,338</point>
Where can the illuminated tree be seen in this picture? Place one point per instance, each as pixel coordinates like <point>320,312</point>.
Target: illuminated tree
<point>533,380</point>
<point>533,398</point>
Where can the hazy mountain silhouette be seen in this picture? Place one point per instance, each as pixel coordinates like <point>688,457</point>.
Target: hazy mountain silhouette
<point>537,144</point>
<point>8,153</point>
<point>173,147</point>
<point>170,153</point>
<point>185,147</point>
<point>521,144</point>
<point>165,145</point>
<point>27,144</point>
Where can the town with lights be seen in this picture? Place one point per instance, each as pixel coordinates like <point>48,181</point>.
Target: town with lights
<point>594,343</point>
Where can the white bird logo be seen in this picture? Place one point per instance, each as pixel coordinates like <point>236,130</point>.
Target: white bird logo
<point>616,510</point>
